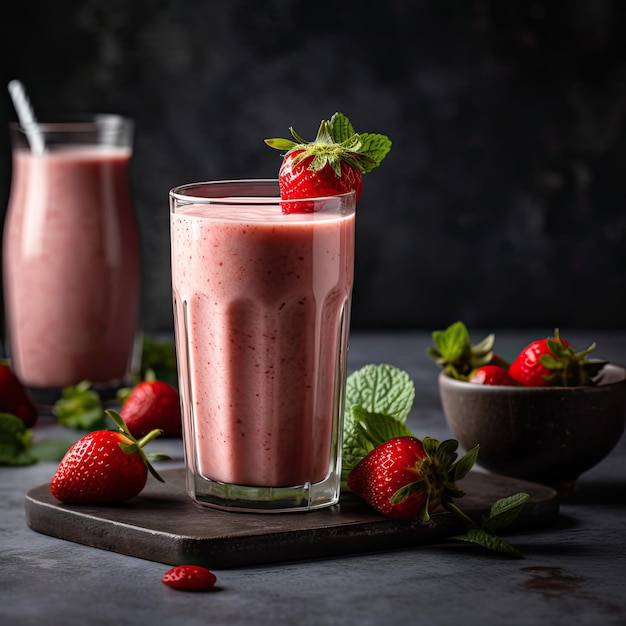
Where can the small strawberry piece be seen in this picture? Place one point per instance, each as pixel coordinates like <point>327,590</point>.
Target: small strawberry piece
<point>153,404</point>
<point>333,164</point>
<point>14,399</point>
<point>406,478</point>
<point>189,578</point>
<point>103,467</point>
<point>553,362</point>
<point>492,375</point>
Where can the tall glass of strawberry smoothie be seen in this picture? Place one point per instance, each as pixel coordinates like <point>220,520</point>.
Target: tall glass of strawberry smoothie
<point>262,311</point>
<point>71,262</point>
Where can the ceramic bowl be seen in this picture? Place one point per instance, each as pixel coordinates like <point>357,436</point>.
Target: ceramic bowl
<point>549,435</point>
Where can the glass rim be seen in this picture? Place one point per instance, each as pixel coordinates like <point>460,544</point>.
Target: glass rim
<point>75,123</point>
<point>180,193</point>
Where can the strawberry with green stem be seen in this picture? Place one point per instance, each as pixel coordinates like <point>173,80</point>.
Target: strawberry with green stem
<point>332,164</point>
<point>554,362</point>
<point>104,467</point>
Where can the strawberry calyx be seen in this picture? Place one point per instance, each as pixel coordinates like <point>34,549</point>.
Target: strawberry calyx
<point>566,366</point>
<point>135,446</point>
<point>458,356</point>
<point>336,142</point>
<point>437,474</point>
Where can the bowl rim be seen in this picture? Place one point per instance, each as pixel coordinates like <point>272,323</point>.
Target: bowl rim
<point>615,373</point>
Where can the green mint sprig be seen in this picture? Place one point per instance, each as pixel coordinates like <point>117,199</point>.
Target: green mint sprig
<point>503,512</point>
<point>378,400</point>
<point>382,390</point>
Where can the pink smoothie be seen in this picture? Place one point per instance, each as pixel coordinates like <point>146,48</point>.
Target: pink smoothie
<point>263,300</point>
<point>71,266</point>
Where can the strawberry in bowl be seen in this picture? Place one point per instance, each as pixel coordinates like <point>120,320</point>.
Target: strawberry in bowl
<point>548,416</point>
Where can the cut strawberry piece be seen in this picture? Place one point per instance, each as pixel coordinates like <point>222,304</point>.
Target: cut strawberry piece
<point>189,578</point>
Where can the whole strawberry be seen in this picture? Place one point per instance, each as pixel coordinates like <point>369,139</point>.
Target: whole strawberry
<point>332,164</point>
<point>152,404</point>
<point>406,478</point>
<point>553,362</point>
<point>104,467</point>
<point>492,375</point>
<point>14,399</point>
<point>189,578</point>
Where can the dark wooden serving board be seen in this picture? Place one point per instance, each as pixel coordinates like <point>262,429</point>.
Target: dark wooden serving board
<point>162,524</point>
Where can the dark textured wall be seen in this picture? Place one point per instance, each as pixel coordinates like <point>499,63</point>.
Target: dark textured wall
<point>502,202</point>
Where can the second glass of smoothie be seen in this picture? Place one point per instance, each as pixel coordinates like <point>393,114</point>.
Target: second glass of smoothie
<point>71,257</point>
<point>262,313</point>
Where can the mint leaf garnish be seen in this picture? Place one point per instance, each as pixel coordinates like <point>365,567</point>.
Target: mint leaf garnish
<point>505,511</point>
<point>16,441</point>
<point>376,396</point>
<point>489,541</point>
<point>380,389</point>
<point>502,513</point>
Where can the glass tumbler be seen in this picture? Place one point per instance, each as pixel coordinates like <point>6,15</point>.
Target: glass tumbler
<point>262,310</point>
<point>71,259</point>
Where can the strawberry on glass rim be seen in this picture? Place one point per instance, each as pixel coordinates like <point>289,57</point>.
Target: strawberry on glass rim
<point>332,164</point>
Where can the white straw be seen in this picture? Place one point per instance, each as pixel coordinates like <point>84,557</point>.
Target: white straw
<point>27,118</point>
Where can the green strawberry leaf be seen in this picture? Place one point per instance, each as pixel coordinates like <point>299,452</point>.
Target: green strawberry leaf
<point>16,441</point>
<point>462,466</point>
<point>340,128</point>
<point>505,511</point>
<point>374,148</point>
<point>488,540</point>
<point>455,353</point>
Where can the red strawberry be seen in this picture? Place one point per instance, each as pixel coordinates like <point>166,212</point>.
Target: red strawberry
<point>553,362</point>
<point>103,467</point>
<point>189,578</point>
<point>332,164</point>
<point>492,375</point>
<point>14,399</point>
<point>406,478</point>
<point>152,404</point>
